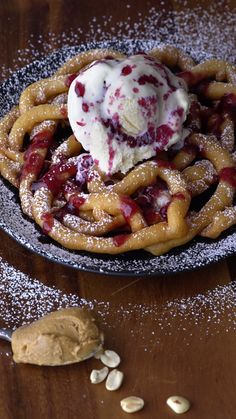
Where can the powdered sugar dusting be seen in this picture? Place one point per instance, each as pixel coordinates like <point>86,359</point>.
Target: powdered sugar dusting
<point>200,315</point>
<point>24,299</point>
<point>197,30</point>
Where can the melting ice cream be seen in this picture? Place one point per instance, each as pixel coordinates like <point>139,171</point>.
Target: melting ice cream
<point>126,111</point>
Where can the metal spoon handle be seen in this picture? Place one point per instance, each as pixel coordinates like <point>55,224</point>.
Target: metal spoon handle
<point>5,334</point>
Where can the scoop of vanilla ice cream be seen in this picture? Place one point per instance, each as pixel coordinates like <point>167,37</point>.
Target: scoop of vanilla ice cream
<point>126,111</point>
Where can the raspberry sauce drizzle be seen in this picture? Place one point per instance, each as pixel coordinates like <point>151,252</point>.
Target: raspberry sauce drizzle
<point>120,239</point>
<point>69,79</point>
<point>48,222</point>
<point>165,164</point>
<point>79,89</point>
<point>228,174</point>
<point>126,70</point>
<point>179,195</point>
<point>77,201</point>
<point>153,201</point>
<point>64,113</point>
<point>33,159</point>
<point>128,208</point>
<point>190,78</point>
<point>57,176</point>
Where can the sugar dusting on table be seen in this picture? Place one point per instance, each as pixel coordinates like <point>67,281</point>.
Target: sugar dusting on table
<point>187,28</point>
<point>24,299</point>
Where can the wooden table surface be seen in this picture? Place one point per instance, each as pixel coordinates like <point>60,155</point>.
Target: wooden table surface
<point>175,334</point>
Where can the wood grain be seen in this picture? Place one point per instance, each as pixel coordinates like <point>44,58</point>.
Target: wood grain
<point>173,333</point>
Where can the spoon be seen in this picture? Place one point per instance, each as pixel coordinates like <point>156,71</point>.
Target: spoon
<point>6,334</point>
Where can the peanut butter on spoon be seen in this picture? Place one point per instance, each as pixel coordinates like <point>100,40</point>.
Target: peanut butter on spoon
<point>62,337</point>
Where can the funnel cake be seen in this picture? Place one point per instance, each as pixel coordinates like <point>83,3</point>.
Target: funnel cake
<point>184,189</point>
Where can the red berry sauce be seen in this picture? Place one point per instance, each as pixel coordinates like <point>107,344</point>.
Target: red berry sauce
<point>79,89</point>
<point>148,79</point>
<point>228,174</point>
<point>77,201</point>
<point>190,78</point>
<point>165,164</point>
<point>164,134</point>
<point>48,222</point>
<point>70,78</point>
<point>120,239</point>
<point>126,70</point>
<point>64,113</point>
<point>84,165</point>
<point>180,196</point>
<point>56,177</point>
<point>148,199</point>
<point>81,123</point>
<point>33,160</point>
<point>85,107</point>
<point>128,208</point>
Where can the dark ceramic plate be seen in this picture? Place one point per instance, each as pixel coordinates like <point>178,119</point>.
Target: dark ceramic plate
<point>197,253</point>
